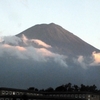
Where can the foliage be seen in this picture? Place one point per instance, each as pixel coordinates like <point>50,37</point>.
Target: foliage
<point>69,88</point>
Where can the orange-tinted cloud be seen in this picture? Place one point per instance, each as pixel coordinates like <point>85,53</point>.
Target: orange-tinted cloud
<point>96,57</point>
<point>20,48</point>
<point>41,43</point>
<point>45,52</point>
<point>14,47</point>
<point>6,46</point>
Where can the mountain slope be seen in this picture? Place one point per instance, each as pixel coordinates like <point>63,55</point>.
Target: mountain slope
<point>64,41</point>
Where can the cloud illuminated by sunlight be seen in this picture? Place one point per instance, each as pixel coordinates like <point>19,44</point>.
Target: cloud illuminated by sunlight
<point>96,57</point>
<point>41,43</point>
<point>24,38</point>
<point>6,46</point>
<point>45,52</point>
<point>20,48</point>
<point>37,41</point>
<point>14,47</point>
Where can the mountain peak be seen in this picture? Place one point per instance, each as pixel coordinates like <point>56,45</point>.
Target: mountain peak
<point>58,37</point>
<point>53,25</point>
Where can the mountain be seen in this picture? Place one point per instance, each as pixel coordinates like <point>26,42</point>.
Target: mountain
<point>56,36</point>
<point>47,55</point>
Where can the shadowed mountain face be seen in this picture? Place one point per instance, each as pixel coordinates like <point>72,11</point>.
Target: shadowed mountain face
<point>62,40</point>
<point>45,56</point>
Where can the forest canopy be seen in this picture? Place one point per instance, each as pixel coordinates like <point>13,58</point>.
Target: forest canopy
<point>69,88</point>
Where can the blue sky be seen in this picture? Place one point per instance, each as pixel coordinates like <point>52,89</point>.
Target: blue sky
<point>81,17</point>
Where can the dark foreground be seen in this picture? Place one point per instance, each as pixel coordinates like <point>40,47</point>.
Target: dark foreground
<point>37,98</point>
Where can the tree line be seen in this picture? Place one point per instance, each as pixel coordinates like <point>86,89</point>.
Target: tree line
<point>69,88</point>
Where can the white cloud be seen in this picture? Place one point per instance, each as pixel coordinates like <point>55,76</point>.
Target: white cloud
<point>29,51</point>
<point>11,40</point>
<point>80,60</point>
<point>24,39</point>
<point>60,59</point>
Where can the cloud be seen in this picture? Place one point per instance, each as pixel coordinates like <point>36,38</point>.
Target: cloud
<point>15,51</point>
<point>36,41</point>
<point>12,47</point>
<point>41,43</point>
<point>14,40</point>
<point>96,59</point>
<point>57,57</point>
<point>60,59</point>
<point>45,52</point>
<point>38,50</point>
<point>88,61</point>
<point>24,39</point>
<point>81,61</point>
<point>1,39</point>
<point>6,46</point>
<point>20,48</point>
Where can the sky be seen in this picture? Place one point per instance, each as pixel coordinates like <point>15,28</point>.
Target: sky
<point>81,17</point>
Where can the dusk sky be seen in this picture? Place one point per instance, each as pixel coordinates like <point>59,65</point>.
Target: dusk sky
<point>81,17</point>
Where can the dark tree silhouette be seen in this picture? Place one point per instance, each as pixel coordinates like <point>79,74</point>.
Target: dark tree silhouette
<point>76,88</point>
<point>83,87</point>
<point>35,89</point>
<point>92,88</point>
<point>42,90</point>
<point>88,88</point>
<point>69,88</point>
<point>32,89</point>
<point>50,89</point>
<point>60,88</point>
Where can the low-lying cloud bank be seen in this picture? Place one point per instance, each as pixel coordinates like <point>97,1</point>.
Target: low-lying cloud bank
<point>35,49</point>
<point>24,48</point>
